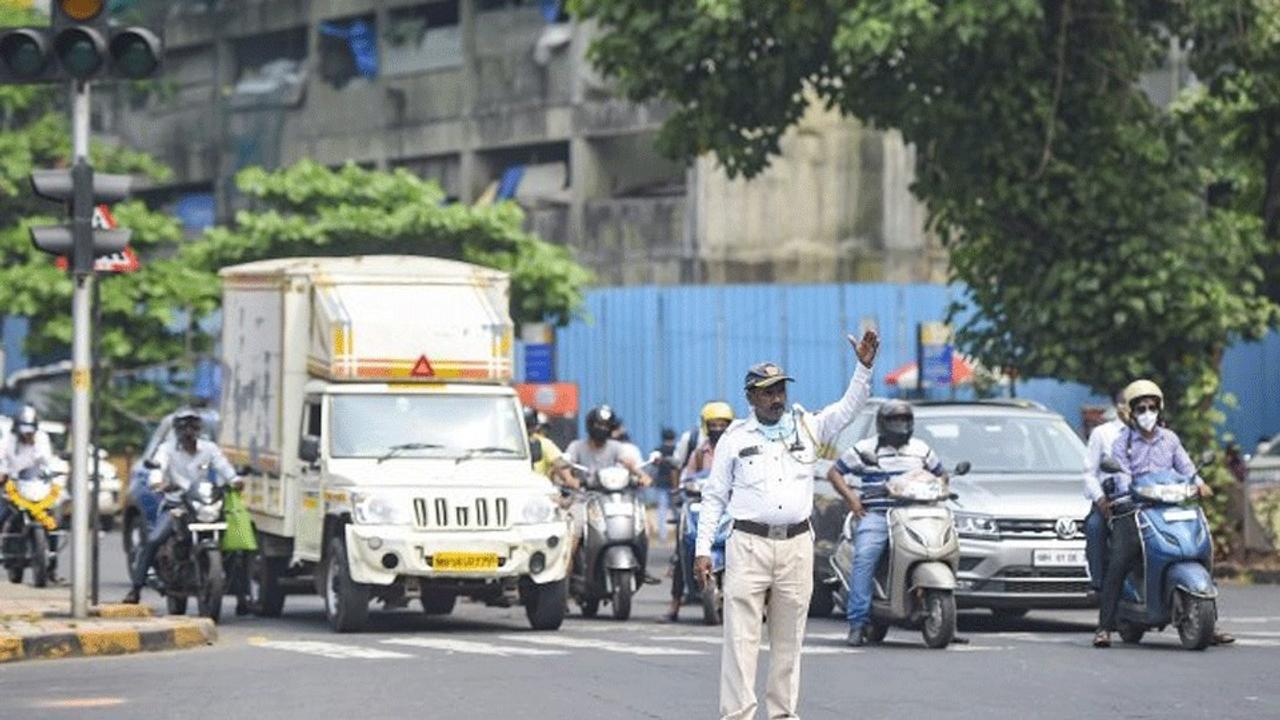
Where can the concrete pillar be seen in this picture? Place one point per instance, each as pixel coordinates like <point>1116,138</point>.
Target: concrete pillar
<point>470,169</point>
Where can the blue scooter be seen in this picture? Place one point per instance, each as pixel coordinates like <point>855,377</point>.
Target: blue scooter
<point>1174,583</point>
<point>710,597</point>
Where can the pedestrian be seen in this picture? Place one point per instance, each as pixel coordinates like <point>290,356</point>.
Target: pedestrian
<point>1098,489</point>
<point>762,475</point>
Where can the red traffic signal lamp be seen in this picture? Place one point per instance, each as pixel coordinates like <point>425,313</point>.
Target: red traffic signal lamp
<point>79,44</point>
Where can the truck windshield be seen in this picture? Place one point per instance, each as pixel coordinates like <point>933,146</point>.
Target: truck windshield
<point>1008,444</point>
<point>371,426</point>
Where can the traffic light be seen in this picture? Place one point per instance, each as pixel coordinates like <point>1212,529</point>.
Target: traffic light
<point>82,190</point>
<point>79,44</point>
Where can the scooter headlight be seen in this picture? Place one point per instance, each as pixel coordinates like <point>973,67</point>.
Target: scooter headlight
<point>1168,494</point>
<point>34,490</point>
<point>538,509</point>
<point>208,513</point>
<point>614,479</point>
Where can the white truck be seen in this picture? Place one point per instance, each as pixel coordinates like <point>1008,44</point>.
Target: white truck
<point>367,401</point>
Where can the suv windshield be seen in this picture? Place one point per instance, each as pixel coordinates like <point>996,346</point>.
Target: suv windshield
<point>1004,444</point>
<point>371,426</point>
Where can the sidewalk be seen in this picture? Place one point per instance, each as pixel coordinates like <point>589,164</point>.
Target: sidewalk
<point>36,623</point>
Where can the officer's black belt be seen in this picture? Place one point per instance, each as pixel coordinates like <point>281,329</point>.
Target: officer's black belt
<point>773,532</point>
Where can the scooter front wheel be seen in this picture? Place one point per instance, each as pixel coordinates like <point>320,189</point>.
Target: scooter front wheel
<point>939,618</point>
<point>876,632</point>
<point>1198,618</point>
<point>621,594</point>
<point>1131,633</point>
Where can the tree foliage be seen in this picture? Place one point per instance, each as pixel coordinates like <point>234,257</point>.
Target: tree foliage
<point>1074,208</point>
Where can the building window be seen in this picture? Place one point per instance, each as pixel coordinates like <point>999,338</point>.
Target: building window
<point>424,37</point>
<point>348,50</point>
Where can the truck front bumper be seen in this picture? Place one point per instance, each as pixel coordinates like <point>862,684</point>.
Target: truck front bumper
<point>378,554</point>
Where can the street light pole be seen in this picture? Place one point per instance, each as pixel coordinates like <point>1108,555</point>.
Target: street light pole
<point>81,361</point>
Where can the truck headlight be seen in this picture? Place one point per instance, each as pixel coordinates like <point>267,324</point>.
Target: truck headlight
<point>372,509</point>
<point>538,509</point>
<point>971,525</point>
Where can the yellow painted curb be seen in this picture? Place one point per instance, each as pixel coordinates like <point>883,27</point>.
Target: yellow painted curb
<point>109,641</point>
<point>193,635</point>
<point>10,648</point>
<point>120,611</point>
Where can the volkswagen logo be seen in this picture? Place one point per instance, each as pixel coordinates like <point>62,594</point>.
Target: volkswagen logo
<point>1065,527</point>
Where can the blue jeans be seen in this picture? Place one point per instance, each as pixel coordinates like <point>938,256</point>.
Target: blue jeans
<point>870,539</point>
<point>1096,534</point>
<point>155,538</point>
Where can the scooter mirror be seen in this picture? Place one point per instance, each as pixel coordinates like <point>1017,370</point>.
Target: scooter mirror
<point>1110,465</point>
<point>963,468</point>
<point>1208,457</point>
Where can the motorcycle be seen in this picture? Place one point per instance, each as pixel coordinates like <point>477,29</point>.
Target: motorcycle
<point>710,597</point>
<point>609,565</point>
<point>1173,585</point>
<point>915,580</point>
<point>30,534</point>
<point>190,560</point>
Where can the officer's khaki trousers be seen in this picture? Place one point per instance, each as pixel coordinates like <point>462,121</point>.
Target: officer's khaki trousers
<point>754,566</point>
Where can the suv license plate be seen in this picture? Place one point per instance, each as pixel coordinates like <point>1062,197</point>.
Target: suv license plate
<point>1058,558</point>
<point>465,562</point>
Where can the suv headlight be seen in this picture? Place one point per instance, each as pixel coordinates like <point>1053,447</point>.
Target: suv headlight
<point>971,525</point>
<point>538,509</point>
<point>373,509</point>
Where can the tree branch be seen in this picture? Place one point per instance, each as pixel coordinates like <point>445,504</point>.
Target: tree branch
<point>1064,20</point>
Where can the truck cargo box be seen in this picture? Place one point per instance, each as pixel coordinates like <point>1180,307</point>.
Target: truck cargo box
<point>402,319</point>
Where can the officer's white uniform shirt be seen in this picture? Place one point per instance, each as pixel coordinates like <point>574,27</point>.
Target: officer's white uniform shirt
<point>16,456</point>
<point>181,469</point>
<point>1101,440</point>
<point>771,481</point>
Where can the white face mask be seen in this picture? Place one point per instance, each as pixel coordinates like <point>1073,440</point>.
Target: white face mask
<point>1147,420</point>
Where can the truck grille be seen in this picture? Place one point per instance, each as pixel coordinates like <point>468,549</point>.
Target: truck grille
<point>1035,528</point>
<point>479,513</point>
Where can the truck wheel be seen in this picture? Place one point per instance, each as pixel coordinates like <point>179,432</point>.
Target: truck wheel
<point>621,594</point>
<point>346,602</point>
<point>176,604</point>
<point>212,584</point>
<point>939,618</point>
<point>1198,618</point>
<point>822,602</point>
<point>546,604</point>
<point>435,602</point>
<point>265,594</point>
<point>39,556</point>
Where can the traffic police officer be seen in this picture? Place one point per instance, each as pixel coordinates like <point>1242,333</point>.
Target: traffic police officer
<point>762,476</point>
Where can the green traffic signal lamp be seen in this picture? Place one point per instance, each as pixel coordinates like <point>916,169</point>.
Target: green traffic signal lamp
<point>24,53</point>
<point>135,53</point>
<point>81,52</point>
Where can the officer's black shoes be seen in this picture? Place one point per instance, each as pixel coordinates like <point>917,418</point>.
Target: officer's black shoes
<point>857,637</point>
<point>133,597</point>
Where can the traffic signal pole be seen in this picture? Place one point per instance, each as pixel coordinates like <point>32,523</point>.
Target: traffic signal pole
<point>81,360</point>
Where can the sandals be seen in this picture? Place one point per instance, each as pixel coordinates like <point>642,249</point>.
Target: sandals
<point>1102,639</point>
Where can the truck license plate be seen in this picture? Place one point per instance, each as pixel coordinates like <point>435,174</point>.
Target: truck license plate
<point>1058,558</point>
<point>465,562</point>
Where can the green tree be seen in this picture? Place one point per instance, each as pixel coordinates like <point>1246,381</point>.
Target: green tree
<point>1073,207</point>
<point>309,209</point>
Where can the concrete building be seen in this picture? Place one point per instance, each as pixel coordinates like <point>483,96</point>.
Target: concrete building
<point>495,96</point>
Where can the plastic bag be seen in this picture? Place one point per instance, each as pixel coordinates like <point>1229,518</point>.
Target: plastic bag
<point>240,536</point>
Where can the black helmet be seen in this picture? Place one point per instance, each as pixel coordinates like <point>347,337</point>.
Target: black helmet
<point>530,418</point>
<point>895,422</point>
<point>601,422</point>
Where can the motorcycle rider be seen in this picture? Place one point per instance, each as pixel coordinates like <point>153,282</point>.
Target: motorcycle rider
<point>599,451</point>
<point>1096,532</point>
<point>1144,446</point>
<point>895,451</point>
<point>716,417</point>
<point>182,461</point>
<point>549,460</point>
<point>26,446</point>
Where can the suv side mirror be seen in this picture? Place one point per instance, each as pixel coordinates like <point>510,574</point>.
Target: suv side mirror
<point>1109,464</point>
<point>963,468</point>
<point>309,449</point>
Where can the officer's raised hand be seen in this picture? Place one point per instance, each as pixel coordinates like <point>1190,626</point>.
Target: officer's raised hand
<point>866,348</point>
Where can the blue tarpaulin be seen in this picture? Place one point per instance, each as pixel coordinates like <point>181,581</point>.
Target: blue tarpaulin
<point>510,182</point>
<point>362,39</point>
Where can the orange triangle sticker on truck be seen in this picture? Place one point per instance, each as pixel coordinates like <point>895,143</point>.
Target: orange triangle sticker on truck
<point>423,368</point>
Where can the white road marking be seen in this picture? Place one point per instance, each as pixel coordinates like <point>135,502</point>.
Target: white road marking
<point>330,650</point>
<point>468,646</point>
<point>977,648</point>
<point>704,639</point>
<point>1249,642</point>
<point>606,645</point>
<point>1251,620</point>
<point>828,650</point>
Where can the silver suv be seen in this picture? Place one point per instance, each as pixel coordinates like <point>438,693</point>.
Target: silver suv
<point>1020,510</point>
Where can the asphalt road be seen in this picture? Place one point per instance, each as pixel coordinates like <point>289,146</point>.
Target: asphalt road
<point>485,663</point>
